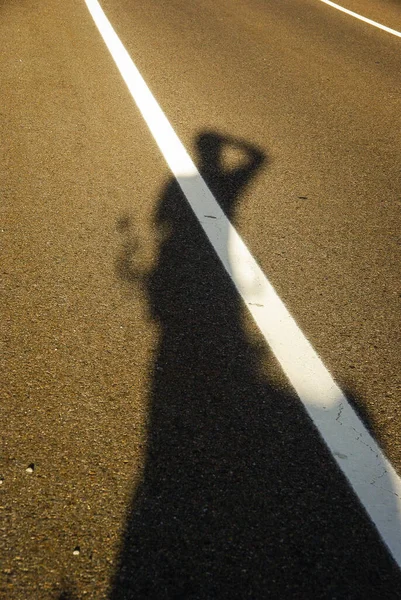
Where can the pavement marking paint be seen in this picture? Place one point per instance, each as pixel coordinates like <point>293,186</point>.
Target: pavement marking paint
<point>361,18</point>
<point>368,471</point>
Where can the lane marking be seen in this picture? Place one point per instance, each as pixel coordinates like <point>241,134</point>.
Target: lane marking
<point>368,471</point>
<point>361,18</point>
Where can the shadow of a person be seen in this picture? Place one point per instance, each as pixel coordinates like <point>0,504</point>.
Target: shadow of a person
<point>240,497</point>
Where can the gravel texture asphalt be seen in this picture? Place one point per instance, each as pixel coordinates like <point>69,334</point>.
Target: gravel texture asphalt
<point>151,447</point>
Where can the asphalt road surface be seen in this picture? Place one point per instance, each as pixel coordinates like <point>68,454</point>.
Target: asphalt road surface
<point>152,446</point>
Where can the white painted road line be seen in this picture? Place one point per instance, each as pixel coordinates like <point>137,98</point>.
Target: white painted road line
<point>361,18</point>
<point>359,457</point>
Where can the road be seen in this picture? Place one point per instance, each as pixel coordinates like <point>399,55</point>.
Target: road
<point>152,445</point>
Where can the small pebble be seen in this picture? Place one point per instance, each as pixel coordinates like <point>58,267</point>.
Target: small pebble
<point>31,468</point>
<point>76,551</point>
